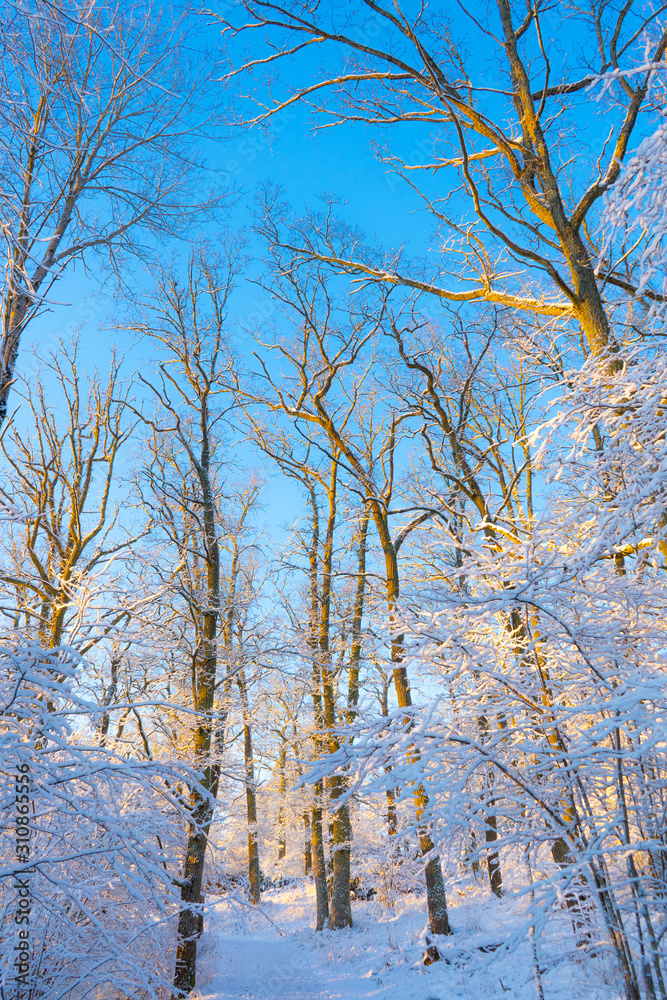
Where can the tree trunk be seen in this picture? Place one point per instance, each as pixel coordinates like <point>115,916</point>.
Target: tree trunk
<point>340,914</point>
<point>191,921</point>
<point>438,918</point>
<point>282,842</point>
<point>109,695</point>
<point>254,873</point>
<point>492,858</point>
<point>490,821</point>
<point>307,840</point>
<point>314,627</point>
<point>392,815</point>
<point>205,664</point>
<point>319,865</point>
<point>307,846</point>
<point>357,616</point>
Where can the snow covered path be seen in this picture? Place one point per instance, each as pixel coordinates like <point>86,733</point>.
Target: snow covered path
<point>277,970</point>
<point>252,961</point>
<point>244,956</point>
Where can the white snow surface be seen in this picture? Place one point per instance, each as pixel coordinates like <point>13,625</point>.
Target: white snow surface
<point>274,954</point>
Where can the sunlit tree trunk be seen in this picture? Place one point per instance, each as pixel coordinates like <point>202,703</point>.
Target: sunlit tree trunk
<point>390,794</point>
<point>357,616</point>
<point>282,841</point>
<point>186,319</point>
<point>307,846</point>
<point>306,816</point>
<point>109,695</point>
<point>254,872</point>
<point>340,911</point>
<point>201,802</point>
<point>316,831</point>
<point>438,917</point>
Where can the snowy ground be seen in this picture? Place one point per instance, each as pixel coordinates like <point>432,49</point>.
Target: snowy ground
<point>275,955</point>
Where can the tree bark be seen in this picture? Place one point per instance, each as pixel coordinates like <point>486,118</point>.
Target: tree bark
<point>307,840</point>
<point>490,822</point>
<point>357,616</point>
<point>492,857</point>
<point>282,842</point>
<point>392,815</point>
<point>205,665</point>
<point>109,695</point>
<point>254,873</point>
<point>316,833</point>
<point>340,912</point>
<point>438,918</point>
<point>319,864</point>
<point>307,846</point>
<point>190,922</point>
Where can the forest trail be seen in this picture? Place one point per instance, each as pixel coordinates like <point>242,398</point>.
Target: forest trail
<point>246,957</point>
<point>264,969</point>
<point>274,954</point>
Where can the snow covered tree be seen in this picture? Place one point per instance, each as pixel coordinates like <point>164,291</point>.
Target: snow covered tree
<point>89,844</point>
<point>60,508</point>
<point>490,125</point>
<point>99,103</point>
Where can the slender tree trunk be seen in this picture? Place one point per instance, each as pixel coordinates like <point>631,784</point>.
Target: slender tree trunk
<point>254,873</point>
<point>307,840</point>
<point>190,921</point>
<point>109,694</point>
<point>316,833</point>
<point>282,842</point>
<point>492,859</point>
<point>473,849</point>
<point>319,864</point>
<point>490,822</point>
<point>307,846</point>
<point>10,351</point>
<point>340,913</point>
<point>357,617</point>
<point>438,918</point>
<point>392,815</point>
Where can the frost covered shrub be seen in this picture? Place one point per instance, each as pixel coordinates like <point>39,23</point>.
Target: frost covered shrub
<point>97,883</point>
<point>387,866</point>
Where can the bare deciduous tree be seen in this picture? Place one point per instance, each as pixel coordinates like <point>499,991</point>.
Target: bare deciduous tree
<point>184,492</point>
<point>321,389</point>
<point>60,507</point>
<point>505,129</point>
<point>100,107</point>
